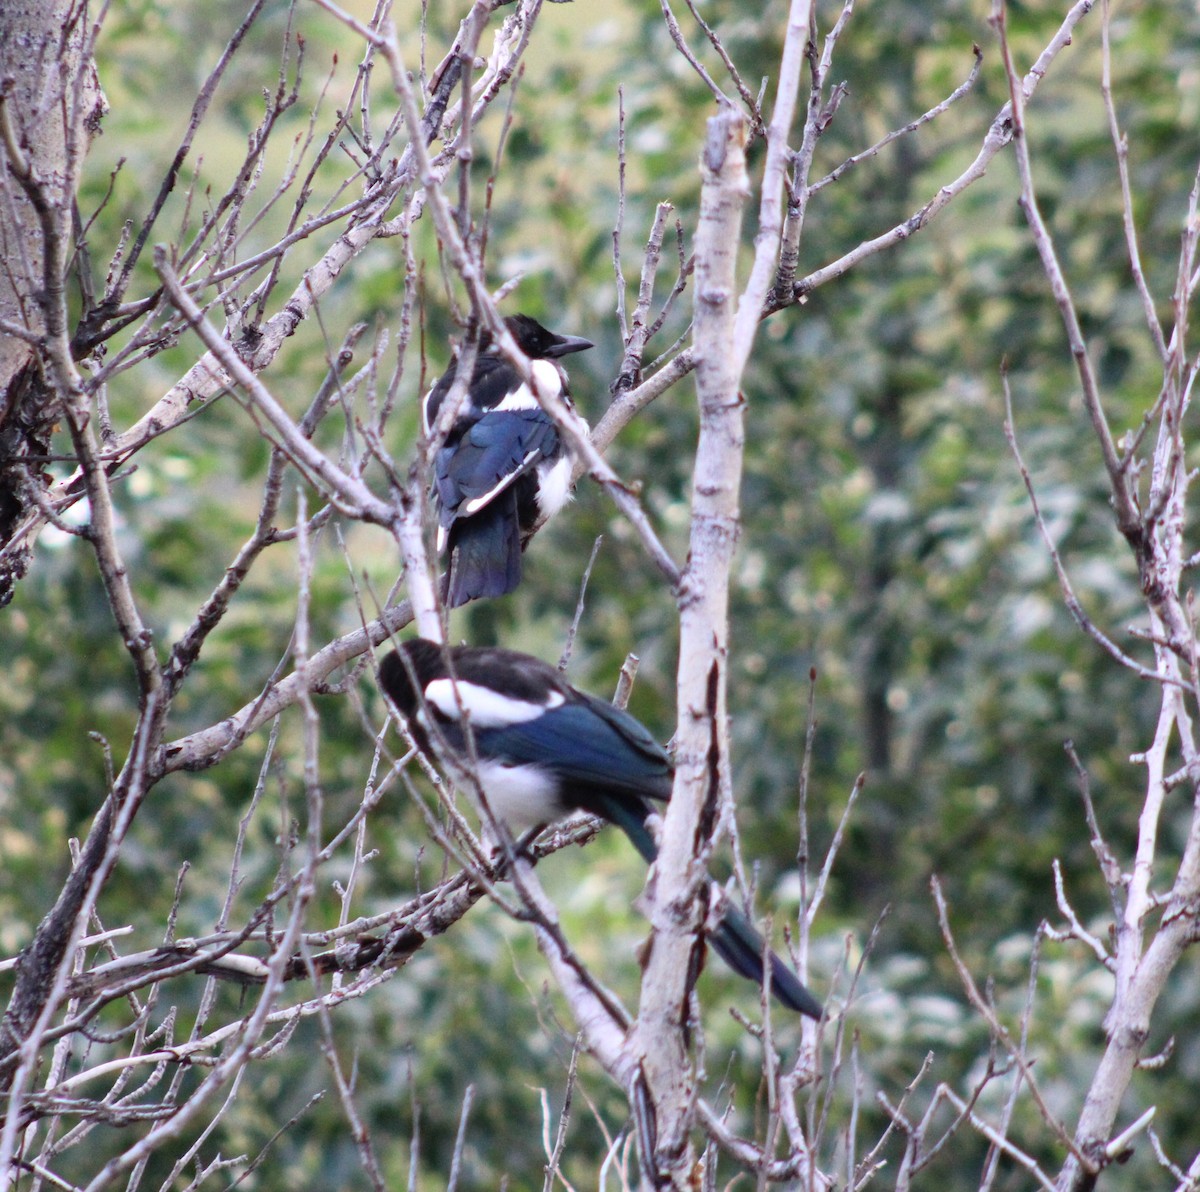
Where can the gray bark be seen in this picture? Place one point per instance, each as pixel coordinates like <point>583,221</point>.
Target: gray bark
<point>50,107</point>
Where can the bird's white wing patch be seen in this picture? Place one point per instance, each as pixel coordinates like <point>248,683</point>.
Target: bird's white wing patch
<point>485,707</point>
<point>521,398</point>
<point>548,377</point>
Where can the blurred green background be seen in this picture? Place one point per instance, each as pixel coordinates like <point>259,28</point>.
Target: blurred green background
<point>887,544</point>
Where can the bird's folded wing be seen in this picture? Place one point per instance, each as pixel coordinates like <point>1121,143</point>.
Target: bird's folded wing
<point>489,457</point>
<point>587,744</point>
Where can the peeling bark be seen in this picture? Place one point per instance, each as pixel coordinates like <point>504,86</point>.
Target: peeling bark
<point>50,108</point>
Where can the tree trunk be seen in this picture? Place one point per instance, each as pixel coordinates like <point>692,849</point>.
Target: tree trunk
<point>50,107</point>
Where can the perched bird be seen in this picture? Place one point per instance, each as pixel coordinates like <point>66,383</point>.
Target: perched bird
<point>503,464</point>
<point>544,750</point>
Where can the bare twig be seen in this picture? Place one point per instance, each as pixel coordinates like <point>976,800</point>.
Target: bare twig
<point>998,1030</point>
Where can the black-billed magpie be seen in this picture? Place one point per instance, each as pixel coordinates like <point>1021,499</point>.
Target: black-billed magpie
<point>503,464</point>
<point>543,750</point>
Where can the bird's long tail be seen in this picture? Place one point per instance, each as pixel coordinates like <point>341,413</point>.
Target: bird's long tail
<point>485,553</point>
<point>735,939</point>
<point>737,942</point>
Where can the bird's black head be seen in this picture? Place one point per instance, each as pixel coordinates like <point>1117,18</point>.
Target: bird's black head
<point>404,673</point>
<point>539,343</point>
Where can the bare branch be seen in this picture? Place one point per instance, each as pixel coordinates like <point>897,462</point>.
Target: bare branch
<point>1129,518</point>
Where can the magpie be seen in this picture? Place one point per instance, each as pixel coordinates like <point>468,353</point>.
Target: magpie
<point>503,464</point>
<point>542,750</point>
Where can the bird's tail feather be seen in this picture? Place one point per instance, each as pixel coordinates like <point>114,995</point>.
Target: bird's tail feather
<point>485,553</point>
<point>736,941</point>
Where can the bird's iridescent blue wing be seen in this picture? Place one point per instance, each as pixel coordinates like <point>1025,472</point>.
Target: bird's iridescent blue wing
<point>490,456</point>
<point>587,743</point>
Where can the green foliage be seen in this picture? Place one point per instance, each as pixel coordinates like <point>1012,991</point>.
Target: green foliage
<point>887,545</point>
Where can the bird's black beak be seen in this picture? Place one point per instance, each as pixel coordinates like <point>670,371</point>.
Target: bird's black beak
<point>564,345</point>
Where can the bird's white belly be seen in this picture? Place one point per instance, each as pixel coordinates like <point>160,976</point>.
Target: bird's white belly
<point>520,796</point>
<point>554,485</point>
